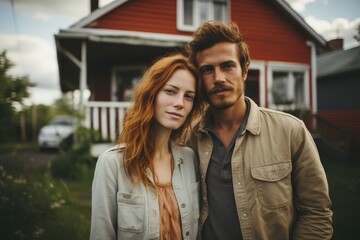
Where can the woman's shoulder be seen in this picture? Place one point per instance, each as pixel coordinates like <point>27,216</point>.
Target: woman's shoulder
<point>112,156</point>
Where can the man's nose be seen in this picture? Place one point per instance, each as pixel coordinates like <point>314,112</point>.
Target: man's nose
<point>219,75</point>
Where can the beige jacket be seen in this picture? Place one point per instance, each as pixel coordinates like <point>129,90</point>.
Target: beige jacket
<point>120,211</point>
<point>279,183</point>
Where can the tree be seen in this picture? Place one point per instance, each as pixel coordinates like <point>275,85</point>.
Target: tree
<point>13,90</point>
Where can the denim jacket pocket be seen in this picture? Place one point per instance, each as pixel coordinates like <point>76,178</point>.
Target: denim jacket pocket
<point>273,184</point>
<point>131,212</point>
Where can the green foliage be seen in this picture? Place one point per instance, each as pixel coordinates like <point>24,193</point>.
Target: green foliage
<point>34,205</point>
<point>77,162</point>
<point>13,91</point>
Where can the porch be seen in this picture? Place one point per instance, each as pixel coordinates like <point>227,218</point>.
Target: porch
<point>104,119</point>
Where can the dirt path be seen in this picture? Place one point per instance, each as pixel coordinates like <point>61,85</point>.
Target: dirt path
<point>34,157</point>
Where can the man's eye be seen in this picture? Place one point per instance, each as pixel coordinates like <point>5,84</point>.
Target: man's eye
<point>227,67</point>
<point>206,70</point>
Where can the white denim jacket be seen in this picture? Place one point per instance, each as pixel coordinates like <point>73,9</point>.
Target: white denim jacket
<point>121,212</point>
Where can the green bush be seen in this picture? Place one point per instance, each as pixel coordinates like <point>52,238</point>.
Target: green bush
<point>77,163</point>
<point>34,205</point>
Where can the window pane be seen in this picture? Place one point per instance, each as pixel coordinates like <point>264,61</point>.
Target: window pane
<point>126,81</point>
<point>203,10</point>
<point>188,12</point>
<point>279,88</point>
<point>288,88</point>
<point>220,11</point>
<point>299,89</point>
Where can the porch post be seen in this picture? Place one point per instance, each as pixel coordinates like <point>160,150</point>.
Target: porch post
<point>83,77</point>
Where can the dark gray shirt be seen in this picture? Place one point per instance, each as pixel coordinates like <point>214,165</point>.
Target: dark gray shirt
<point>223,221</point>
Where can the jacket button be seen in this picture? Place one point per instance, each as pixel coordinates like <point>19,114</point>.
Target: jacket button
<point>206,153</point>
<point>187,233</point>
<point>183,205</point>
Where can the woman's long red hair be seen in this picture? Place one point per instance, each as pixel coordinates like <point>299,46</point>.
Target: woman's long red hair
<point>138,125</point>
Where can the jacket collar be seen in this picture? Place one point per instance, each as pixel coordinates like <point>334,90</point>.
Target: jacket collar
<point>253,124</point>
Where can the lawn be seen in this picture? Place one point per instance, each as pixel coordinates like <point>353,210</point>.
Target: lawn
<point>36,205</point>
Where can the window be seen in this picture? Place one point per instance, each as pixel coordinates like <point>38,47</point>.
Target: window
<point>124,82</point>
<point>191,13</point>
<point>288,88</point>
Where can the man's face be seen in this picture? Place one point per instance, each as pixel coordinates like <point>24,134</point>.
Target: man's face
<point>221,75</point>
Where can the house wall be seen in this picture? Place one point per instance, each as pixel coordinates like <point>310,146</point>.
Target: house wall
<point>339,101</point>
<point>142,15</point>
<point>271,36</point>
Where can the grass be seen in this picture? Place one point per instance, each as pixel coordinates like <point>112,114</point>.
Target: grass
<point>344,187</point>
<point>70,219</point>
<point>34,204</point>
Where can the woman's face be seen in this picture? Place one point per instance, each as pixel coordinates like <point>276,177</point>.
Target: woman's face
<point>175,100</point>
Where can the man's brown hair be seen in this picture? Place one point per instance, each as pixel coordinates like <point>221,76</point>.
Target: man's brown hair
<point>213,32</point>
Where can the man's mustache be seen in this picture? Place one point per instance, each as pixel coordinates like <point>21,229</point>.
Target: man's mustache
<point>219,89</point>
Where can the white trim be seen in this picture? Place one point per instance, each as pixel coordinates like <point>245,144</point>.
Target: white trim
<point>260,66</point>
<point>313,76</point>
<point>83,75</point>
<point>98,13</point>
<point>120,35</point>
<point>196,16</point>
<point>287,67</point>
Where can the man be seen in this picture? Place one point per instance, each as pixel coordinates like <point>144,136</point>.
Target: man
<point>261,174</point>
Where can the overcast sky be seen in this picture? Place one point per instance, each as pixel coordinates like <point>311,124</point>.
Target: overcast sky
<point>27,33</point>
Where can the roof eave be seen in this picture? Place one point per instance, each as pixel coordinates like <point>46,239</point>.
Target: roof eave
<point>302,22</point>
<point>97,13</point>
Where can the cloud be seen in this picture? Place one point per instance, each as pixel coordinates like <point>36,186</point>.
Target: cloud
<point>299,5</point>
<point>33,57</point>
<point>338,28</point>
<point>45,8</point>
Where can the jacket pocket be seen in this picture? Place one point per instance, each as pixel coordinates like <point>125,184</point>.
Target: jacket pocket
<point>131,212</point>
<point>273,184</point>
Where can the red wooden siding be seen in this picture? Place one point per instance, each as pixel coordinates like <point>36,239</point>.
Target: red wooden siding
<point>142,15</point>
<point>347,119</point>
<point>270,35</point>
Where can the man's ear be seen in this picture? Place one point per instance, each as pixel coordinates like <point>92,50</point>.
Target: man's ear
<point>245,73</point>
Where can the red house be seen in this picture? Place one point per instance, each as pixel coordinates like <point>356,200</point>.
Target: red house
<point>108,50</point>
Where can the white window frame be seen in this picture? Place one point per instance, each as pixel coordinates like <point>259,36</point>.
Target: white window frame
<point>190,28</point>
<point>122,68</point>
<point>260,66</point>
<point>287,67</point>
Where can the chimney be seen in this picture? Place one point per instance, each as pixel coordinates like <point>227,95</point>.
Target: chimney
<point>335,44</point>
<point>94,4</point>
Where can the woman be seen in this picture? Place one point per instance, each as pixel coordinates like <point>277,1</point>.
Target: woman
<point>147,187</point>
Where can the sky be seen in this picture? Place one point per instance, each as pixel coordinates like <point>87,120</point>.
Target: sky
<point>27,29</point>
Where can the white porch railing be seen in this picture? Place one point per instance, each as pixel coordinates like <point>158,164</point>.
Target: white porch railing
<point>105,118</point>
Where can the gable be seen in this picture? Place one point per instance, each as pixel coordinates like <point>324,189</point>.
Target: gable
<point>141,16</point>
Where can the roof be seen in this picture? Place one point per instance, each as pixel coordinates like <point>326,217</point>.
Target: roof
<point>280,3</point>
<point>338,62</point>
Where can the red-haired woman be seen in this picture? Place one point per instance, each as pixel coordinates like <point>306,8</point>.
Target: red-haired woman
<point>147,187</point>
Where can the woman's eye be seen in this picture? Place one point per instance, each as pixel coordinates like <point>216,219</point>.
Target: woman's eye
<point>189,97</point>
<point>169,91</point>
